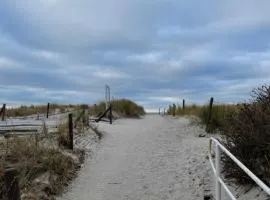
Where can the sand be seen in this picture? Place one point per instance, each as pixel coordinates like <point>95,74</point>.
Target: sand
<point>151,158</point>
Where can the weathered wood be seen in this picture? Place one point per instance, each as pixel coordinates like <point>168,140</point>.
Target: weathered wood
<point>48,109</point>
<point>18,125</point>
<point>110,113</point>
<point>11,184</point>
<point>3,112</point>
<point>18,130</point>
<point>184,105</point>
<point>70,126</point>
<point>209,120</point>
<point>103,115</point>
<point>174,108</point>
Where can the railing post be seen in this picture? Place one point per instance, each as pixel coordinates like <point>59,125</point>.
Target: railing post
<point>70,125</point>
<point>218,185</point>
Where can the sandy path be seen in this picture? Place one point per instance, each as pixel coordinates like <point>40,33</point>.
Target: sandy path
<point>152,158</point>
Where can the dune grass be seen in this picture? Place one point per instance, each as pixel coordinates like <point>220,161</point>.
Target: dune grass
<point>244,129</point>
<point>123,107</point>
<point>220,113</point>
<point>34,109</point>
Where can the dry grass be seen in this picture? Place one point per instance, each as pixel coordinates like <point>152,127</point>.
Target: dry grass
<point>32,160</point>
<point>220,113</point>
<point>62,135</point>
<point>34,109</point>
<point>37,156</point>
<point>123,107</point>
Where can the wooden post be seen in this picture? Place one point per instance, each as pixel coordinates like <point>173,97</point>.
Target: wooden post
<point>70,126</point>
<point>95,109</point>
<point>110,113</point>
<point>3,112</point>
<point>208,127</point>
<point>11,184</point>
<point>184,105</point>
<point>48,108</point>
<point>174,107</point>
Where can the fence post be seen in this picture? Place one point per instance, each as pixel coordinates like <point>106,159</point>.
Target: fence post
<point>48,108</point>
<point>184,106</point>
<point>218,185</point>
<point>174,107</point>
<point>208,126</point>
<point>70,125</point>
<point>4,112</point>
<point>11,184</point>
<point>110,113</point>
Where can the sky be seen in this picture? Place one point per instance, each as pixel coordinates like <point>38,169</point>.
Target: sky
<point>154,52</point>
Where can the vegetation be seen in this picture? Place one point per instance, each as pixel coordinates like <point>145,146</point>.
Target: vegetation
<point>35,158</point>
<point>220,113</point>
<point>34,109</point>
<point>44,166</point>
<point>123,107</point>
<point>245,132</point>
<point>247,137</point>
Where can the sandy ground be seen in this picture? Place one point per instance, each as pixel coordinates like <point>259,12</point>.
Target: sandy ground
<point>152,158</point>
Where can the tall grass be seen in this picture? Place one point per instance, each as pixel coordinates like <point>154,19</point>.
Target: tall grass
<point>220,113</point>
<point>245,132</point>
<point>123,107</point>
<point>34,109</point>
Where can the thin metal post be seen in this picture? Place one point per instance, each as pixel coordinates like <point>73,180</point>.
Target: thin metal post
<point>218,185</point>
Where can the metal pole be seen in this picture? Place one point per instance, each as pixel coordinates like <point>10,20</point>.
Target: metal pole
<point>218,185</point>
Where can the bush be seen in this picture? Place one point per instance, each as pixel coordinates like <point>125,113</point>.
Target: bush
<point>247,137</point>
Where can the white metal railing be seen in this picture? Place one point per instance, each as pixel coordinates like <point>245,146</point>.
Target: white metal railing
<point>216,168</point>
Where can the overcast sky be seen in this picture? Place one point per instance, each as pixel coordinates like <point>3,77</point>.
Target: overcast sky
<point>152,51</point>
